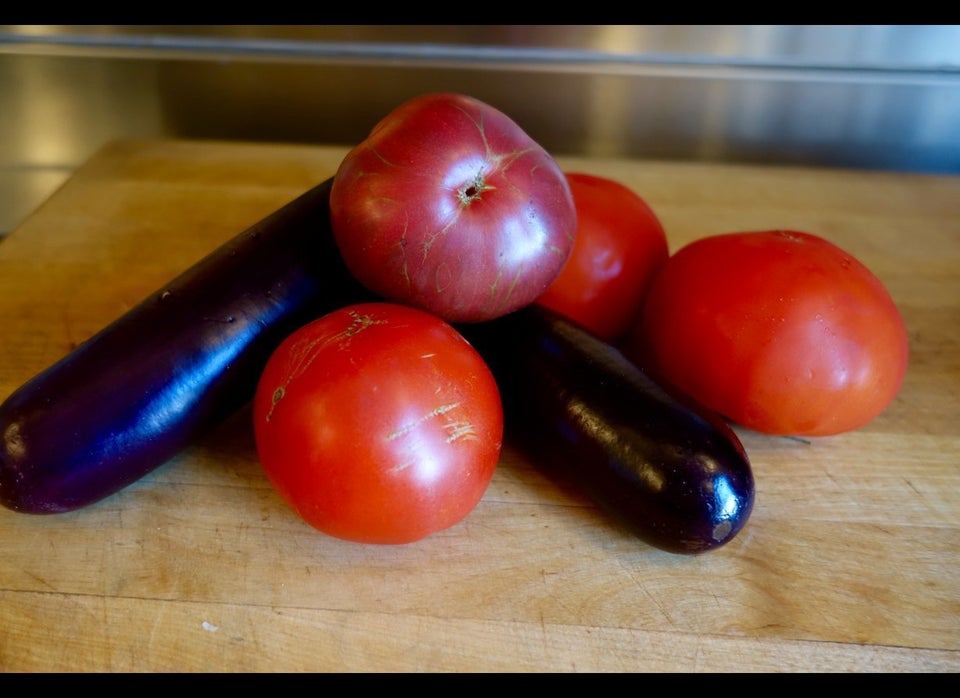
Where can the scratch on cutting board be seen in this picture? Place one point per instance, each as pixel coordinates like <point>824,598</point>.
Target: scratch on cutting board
<point>209,627</point>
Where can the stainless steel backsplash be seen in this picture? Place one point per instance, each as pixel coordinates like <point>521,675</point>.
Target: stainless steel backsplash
<point>863,96</point>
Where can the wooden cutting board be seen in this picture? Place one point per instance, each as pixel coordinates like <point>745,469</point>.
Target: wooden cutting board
<point>850,561</point>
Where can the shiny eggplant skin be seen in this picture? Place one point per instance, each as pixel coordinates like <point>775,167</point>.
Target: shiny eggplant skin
<point>143,388</point>
<point>670,471</point>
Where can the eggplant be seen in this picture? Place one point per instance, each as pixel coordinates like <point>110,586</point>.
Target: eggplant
<point>142,389</point>
<point>666,468</point>
<point>149,384</point>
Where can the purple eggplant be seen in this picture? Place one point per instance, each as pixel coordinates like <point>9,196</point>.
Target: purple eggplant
<point>146,386</point>
<point>669,470</point>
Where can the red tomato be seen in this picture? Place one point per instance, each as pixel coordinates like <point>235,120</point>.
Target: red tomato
<point>619,246</point>
<point>378,423</point>
<point>449,206</point>
<point>780,331</point>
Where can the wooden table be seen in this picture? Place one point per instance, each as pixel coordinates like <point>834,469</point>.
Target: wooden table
<point>850,562</point>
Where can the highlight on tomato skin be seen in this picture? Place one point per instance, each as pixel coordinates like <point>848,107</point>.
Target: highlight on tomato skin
<point>378,423</point>
<point>780,331</point>
<point>619,246</point>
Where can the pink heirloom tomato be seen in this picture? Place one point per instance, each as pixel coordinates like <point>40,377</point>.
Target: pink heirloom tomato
<point>378,423</point>
<point>449,206</point>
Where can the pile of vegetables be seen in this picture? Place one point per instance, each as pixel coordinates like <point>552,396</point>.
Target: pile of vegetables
<point>449,288</point>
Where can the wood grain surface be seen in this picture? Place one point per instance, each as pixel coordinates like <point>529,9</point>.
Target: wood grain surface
<point>850,561</point>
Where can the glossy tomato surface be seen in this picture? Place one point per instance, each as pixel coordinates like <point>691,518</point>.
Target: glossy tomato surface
<point>448,205</point>
<point>619,245</point>
<point>378,423</point>
<point>780,331</point>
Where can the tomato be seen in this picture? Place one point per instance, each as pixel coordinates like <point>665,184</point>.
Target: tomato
<point>449,206</point>
<point>378,423</point>
<point>780,331</point>
<point>619,245</point>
